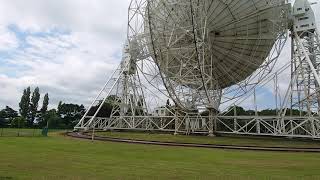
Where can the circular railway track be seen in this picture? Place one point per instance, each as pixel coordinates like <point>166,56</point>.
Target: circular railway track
<point>83,135</point>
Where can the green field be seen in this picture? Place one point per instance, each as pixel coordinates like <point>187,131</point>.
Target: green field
<point>242,141</point>
<point>59,157</point>
<point>23,132</point>
<point>13,132</point>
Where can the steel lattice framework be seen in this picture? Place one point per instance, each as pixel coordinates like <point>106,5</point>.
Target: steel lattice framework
<point>207,56</point>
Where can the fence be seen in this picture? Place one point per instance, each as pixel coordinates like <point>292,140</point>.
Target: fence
<point>20,132</point>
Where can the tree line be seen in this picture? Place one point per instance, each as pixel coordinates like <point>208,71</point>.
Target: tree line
<point>66,116</point>
<point>240,111</point>
<point>30,115</point>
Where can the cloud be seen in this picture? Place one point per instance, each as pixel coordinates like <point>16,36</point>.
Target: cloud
<point>8,40</point>
<point>66,47</point>
<point>75,15</point>
<point>63,66</point>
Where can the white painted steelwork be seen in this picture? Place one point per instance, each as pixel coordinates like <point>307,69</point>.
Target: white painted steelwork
<point>208,56</point>
<point>203,47</point>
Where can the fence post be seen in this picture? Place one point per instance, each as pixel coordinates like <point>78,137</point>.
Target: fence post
<point>18,127</point>
<point>92,137</point>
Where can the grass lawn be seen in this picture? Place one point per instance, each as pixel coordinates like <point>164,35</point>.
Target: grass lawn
<point>58,157</point>
<point>246,141</point>
<point>12,132</point>
<point>23,132</point>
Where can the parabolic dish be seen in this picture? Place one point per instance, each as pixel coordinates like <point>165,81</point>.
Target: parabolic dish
<point>214,42</point>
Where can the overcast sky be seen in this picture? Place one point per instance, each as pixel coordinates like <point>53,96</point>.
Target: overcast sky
<point>66,47</point>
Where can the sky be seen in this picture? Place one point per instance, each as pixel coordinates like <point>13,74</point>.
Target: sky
<point>65,47</point>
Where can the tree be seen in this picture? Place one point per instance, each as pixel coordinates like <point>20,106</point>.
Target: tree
<point>268,112</point>
<point>70,114</point>
<point>240,111</point>
<point>11,113</point>
<point>34,105</point>
<point>18,122</point>
<point>3,119</point>
<point>7,115</point>
<point>206,112</point>
<point>41,117</point>
<point>45,104</point>
<point>250,112</point>
<point>59,105</point>
<point>112,102</point>
<point>25,103</point>
<point>52,118</point>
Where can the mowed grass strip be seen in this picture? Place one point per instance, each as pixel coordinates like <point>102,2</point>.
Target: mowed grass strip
<point>242,141</point>
<point>59,157</point>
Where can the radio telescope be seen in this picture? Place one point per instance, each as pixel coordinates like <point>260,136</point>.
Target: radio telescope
<point>204,47</point>
<point>186,60</point>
